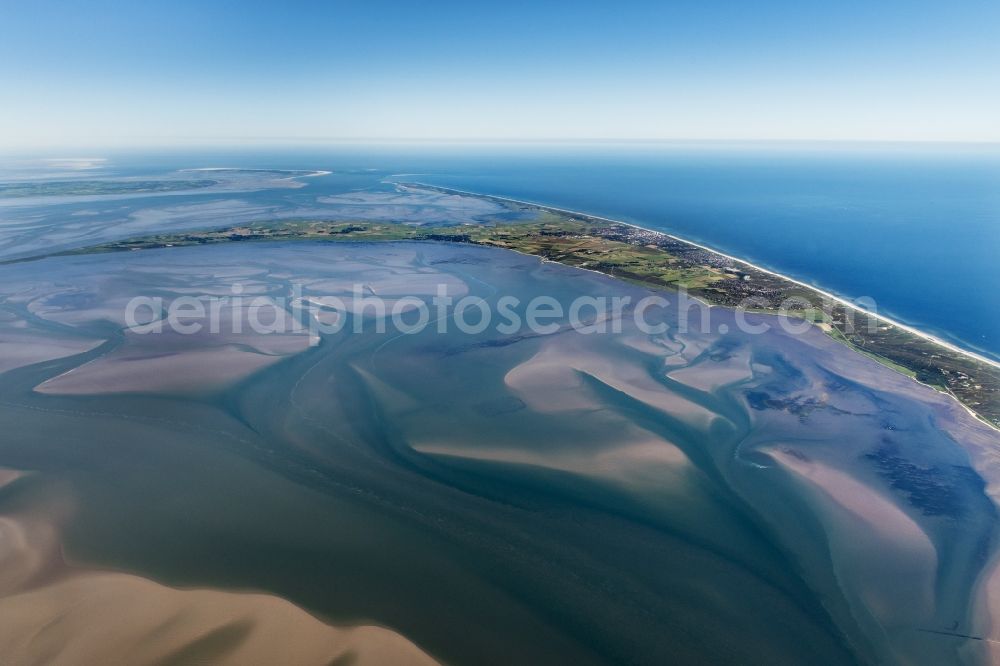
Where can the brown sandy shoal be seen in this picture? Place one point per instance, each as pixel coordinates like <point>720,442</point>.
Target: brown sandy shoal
<point>878,551</point>
<point>551,381</point>
<point>709,375</point>
<point>77,617</point>
<point>630,461</point>
<point>176,372</point>
<point>9,476</point>
<point>20,349</point>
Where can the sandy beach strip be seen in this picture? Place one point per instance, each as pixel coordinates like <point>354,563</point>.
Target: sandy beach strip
<point>310,174</point>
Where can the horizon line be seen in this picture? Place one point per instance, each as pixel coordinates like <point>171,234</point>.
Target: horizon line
<point>235,142</point>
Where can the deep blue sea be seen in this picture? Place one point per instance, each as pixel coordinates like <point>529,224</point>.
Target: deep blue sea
<point>916,229</point>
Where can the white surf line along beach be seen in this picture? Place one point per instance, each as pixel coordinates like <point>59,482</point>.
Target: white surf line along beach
<point>882,318</point>
<point>311,174</point>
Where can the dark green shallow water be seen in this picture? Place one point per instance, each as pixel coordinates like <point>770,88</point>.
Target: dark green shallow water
<point>539,499</point>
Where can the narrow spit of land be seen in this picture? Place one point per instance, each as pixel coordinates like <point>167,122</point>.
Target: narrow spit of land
<point>653,259</point>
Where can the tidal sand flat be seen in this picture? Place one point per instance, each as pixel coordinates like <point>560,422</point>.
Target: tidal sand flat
<point>19,348</point>
<point>53,613</point>
<point>699,495</point>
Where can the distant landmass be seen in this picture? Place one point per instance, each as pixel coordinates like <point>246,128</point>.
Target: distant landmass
<point>63,188</point>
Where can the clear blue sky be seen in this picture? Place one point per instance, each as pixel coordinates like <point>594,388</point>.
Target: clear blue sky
<point>149,72</point>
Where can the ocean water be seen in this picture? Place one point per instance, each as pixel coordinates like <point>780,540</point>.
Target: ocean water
<point>913,231</point>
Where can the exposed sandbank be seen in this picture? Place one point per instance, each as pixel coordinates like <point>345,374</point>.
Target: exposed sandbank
<point>54,614</point>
